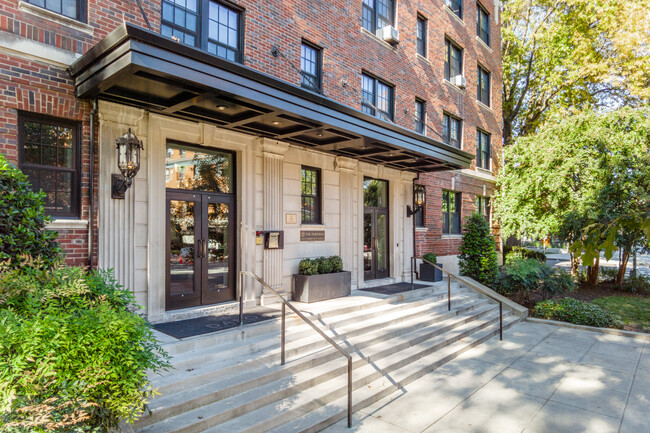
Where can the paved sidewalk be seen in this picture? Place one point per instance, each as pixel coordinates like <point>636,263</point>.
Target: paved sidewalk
<point>540,379</point>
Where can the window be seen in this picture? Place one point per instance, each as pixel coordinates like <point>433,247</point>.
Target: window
<point>452,130</point>
<point>456,7</point>
<point>483,87</point>
<point>49,156</point>
<point>451,203</point>
<point>419,216</point>
<point>483,153</point>
<point>420,116</point>
<point>209,25</point>
<point>310,192</point>
<point>377,14</point>
<point>376,97</point>
<point>75,9</point>
<point>483,25</point>
<point>453,60</point>
<point>483,207</point>
<point>422,36</point>
<point>310,67</point>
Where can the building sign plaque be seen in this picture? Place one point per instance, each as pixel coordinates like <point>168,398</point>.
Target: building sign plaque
<point>312,235</point>
<point>292,218</point>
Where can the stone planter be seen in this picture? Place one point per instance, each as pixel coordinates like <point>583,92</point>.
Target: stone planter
<point>313,288</point>
<point>430,273</point>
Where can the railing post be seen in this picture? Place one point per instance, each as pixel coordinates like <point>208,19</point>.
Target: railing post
<point>282,360</point>
<point>448,292</point>
<point>350,392</point>
<point>241,299</point>
<point>501,321</point>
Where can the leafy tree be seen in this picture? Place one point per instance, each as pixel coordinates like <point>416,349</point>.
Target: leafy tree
<point>571,53</point>
<point>478,256</point>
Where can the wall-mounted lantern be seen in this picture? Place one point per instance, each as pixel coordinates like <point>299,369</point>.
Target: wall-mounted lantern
<point>128,161</point>
<point>418,201</point>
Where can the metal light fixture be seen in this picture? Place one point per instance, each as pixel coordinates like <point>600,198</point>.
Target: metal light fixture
<point>418,201</point>
<point>128,161</point>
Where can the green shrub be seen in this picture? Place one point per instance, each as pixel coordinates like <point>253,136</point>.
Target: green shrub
<point>74,355</point>
<point>337,263</point>
<point>308,267</point>
<point>430,257</point>
<point>577,312</point>
<point>557,281</point>
<point>522,278</point>
<point>638,284</point>
<point>23,220</point>
<point>478,256</point>
<point>324,265</point>
<point>517,253</point>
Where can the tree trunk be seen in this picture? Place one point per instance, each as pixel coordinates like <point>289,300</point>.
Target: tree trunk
<point>575,264</point>
<point>592,273</point>
<point>621,269</point>
<point>507,131</point>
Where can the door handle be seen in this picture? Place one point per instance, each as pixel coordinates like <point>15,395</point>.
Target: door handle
<point>199,249</point>
<point>205,248</point>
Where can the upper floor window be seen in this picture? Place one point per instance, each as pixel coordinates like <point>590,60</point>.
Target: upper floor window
<point>310,67</point>
<point>451,204</point>
<point>209,25</point>
<point>456,7</point>
<point>483,207</point>
<point>74,9</point>
<point>483,86</point>
<point>452,130</point>
<point>422,36</point>
<point>377,97</point>
<point>483,151</point>
<point>377,14</point>
<point>453,60</point>
<point>420,116</point>
<point>49,156</point>
<point>483,25</point>
<point>311,196</point>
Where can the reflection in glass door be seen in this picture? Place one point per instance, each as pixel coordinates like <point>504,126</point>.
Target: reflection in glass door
<point>375,229</point>
<point>184,288</point>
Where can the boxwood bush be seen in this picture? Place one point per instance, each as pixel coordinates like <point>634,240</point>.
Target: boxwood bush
<point>74,355</point>
<point>577,312</point>
<point>430,257</point>
<point>321,265</point>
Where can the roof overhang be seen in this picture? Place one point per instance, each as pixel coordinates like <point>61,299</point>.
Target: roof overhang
<point>141,68</point>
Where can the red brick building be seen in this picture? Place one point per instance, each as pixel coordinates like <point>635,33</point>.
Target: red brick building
<point>307,108</point>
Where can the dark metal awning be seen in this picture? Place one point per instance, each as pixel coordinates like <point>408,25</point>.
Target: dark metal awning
<point>137,67</point>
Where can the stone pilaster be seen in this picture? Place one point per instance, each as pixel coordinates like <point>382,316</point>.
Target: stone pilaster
<point>348,192</point>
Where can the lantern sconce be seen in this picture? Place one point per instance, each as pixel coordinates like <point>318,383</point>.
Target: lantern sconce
<point>128,161</point>
<point>418,201</point>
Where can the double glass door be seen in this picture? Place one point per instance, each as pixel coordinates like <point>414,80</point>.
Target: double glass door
<point>375,229</point>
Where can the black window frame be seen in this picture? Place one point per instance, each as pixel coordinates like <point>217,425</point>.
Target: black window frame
<point>483,206</point>
<point>375,17</point>
<point>318,218</point>
<point>449,226</point>
<point>483,156</point>
<point>458,4</point>
<point>483,75</point>
<point>421,35</point>
<point>483,34</point>
<point>201,35</point>
<point>420,116</point>
<point>81,9</point>
<point>446,130</point>
<point>75,183</point>
<point>370,109</point>
<point>317,79</point>
<point>449,46</point>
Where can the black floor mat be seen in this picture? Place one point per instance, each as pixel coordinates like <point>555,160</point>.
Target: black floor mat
<point>391,289</point>
<point>207,324</point>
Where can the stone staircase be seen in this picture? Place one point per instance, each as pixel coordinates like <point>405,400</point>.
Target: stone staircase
<point>232,381</point>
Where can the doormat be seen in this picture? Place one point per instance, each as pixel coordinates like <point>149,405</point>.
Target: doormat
<point>205,325</point>
<point>391,289</point>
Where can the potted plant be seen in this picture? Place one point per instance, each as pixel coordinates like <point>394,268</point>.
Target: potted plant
<point>320,279</point>
<point>429,272</point>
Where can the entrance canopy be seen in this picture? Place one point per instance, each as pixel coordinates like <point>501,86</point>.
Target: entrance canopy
<point>141,68</point>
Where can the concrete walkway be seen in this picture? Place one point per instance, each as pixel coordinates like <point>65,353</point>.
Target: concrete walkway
<point>540,379</point>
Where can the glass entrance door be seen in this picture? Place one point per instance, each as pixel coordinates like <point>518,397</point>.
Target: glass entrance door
<point>375,229</point>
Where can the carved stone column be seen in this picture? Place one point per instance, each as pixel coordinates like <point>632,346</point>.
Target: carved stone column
<point>273,155</point>
<point>349,223</point>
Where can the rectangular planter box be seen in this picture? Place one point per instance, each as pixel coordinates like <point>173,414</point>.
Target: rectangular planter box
<point>313,288</point>
<point>429,273</point>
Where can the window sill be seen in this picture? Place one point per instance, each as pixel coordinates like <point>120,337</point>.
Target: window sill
<point>459,89</point>
<point>486,46</point>
<point>422,229</point>
<point>381,41</point>
<point>483,170</point>
<point>57,18</point>
<point>66,224</point>
<point>311,226</point>
<point>452,236</point>
<point>480,104</point>
<point>456,17</point>
<point>421,57</point>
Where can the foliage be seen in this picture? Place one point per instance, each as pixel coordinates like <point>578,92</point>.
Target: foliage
<point>522,279</point>
<point>337,263</point>
<point>633,310</point>
<point>557,54</point>
<point>517,253</point>
<point>321,265</point>
<point>308,267</point>
<point>577,312</point>
<point>23,219</point>
<point>477,253</point>
<point>74,355</point>
<point>430,257</point>
<point>638,284</point>
<point>324,265</point>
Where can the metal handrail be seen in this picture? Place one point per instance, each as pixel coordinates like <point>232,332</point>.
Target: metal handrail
<point>478,289</point>
<point>286,303</point>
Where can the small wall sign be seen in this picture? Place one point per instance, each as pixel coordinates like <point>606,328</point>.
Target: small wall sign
<point>291,218</point>
<point>312,235</point>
